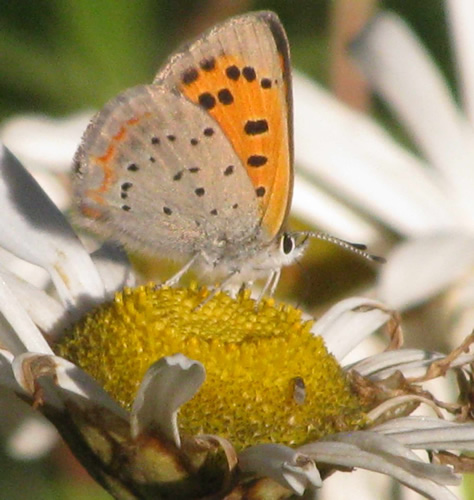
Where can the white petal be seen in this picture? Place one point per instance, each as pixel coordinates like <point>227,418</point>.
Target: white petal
<point>386,457</point>
<point>420,422</point>
<point>45,312</point>
<point>35,230</point>
<point>291,469</point>
<point>166,386</point>
<point>348,322</point>
<point>114,267</point>
<point>428,433</point>
<point>55,187</point>
<point>392,449</point>
<point>24,334</point>
<point>320,209</point>
<point>31,273</point>
<point>461,19</point>
<point>404,74</point>
<point>347,154</point>
<point>46,143</point>
<point>383,364</point>
<point>418,269</point>
<point>61,381</point>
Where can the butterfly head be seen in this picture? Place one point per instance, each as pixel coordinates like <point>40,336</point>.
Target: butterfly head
<point>283,251</point>
<point>290,246</point>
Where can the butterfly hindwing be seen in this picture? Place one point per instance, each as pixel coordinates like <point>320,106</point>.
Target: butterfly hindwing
<point>159,172</point>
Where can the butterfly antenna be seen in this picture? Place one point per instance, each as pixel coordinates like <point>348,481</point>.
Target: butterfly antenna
<point>357,248</point>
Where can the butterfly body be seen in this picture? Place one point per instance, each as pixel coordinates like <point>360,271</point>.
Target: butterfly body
<point>198,165</point>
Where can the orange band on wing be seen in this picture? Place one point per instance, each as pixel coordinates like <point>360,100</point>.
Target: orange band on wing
<point>252,111</point>
<point>104,162</point>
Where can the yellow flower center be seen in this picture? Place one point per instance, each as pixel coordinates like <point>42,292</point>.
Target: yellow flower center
<point>268,378</point>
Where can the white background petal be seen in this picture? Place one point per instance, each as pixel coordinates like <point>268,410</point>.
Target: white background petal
<point>401,70</point>
<point>418,269</point>
<point>461,20</point>
<point>318,208</point>
<point>348,154</point>
<point>45,143</point>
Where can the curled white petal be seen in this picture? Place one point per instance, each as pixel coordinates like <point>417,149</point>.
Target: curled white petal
<point>60,381</point>
<point>34,229</point>
<point>363,450</point>
<point>291,469</point>
<point>166,386</point>
<point>411,362</point>
<point>348,322</point>
<point>429,433</point>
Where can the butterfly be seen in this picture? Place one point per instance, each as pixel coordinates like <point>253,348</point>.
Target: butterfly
<point>198,165</point>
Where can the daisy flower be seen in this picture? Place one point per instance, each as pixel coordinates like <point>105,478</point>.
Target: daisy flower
<point>157,396</point>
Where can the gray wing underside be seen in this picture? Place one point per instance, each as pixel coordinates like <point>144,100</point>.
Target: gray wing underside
<point>176,188</point>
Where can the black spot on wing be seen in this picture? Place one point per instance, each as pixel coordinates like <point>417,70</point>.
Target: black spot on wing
<point>208,64</point>
<point>256,127</point>
<point>249,73</point>
<point>190,76</point>
<point>207,100</point>
<point>225,97</point>
<point>233,72</point>
<point>257,160</point>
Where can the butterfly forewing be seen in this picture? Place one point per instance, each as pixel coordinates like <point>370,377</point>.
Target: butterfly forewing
<point>157,172</point>
<point>238,73</point>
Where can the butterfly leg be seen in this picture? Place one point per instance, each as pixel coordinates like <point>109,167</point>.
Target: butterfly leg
<point>176,277</point>
<point>218,288</point>
<point>270,284</point>
<point>276,279</point>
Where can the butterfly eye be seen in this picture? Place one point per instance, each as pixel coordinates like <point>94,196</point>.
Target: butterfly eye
<point>287,244</point>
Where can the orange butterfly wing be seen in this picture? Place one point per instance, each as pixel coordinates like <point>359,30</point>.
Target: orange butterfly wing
<point>239,72</point>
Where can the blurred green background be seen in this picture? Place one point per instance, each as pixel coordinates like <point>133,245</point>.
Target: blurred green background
<point>58,56</point>
<point>61,56</point>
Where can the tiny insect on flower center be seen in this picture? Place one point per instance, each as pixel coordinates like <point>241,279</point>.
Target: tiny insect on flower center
<point>268,378</point>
